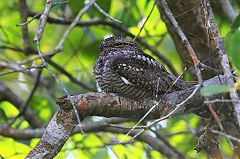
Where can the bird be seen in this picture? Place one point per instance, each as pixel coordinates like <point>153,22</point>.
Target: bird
<point>124,69</point>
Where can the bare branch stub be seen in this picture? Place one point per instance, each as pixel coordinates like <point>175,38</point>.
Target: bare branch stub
<point>209,142</point>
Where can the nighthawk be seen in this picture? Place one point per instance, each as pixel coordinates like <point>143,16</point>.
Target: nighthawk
<point>124,69</point>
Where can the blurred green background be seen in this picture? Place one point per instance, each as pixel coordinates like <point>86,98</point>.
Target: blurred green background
<point>78,58</point>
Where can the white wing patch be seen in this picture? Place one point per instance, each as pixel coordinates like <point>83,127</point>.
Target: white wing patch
<point>126,81</point>
<point>98,87</point>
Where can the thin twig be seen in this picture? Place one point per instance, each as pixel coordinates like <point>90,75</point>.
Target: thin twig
<point>46,54</point>
<point>42,21</point>
<point>62,70</point>
<point>29,21</point>
<point>178,106</point>
<point>24,70</point>
<point>218,121</point>
<point>153,107</point>
<point>104,13</point>
<point>124,127</point>
<point>184,40</point>
<point>39,14</point>
<point>144,22</point>
<point>74,23</point>
<point>226,135</point>
<point>215,71</point>
<point>220,101</point>
<point>189,127</point>
<point>187,11</point>
<point>61,85</point>
<point>24,108</point>
<point>41,25</point>
<point>116,26</point>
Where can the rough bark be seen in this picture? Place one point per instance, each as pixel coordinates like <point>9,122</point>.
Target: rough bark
<point>190,17</point>
<point>197,21</point>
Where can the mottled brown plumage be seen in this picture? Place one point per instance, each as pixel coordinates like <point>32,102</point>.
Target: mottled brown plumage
<point>123,68</point>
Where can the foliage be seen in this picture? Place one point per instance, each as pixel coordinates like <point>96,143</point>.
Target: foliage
<point>215,89</point>
<point>232,45</point>
<point>77,58</point>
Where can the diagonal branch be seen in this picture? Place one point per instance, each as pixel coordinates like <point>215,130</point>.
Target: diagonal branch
<point>6,94</point>
<point>223,59</point>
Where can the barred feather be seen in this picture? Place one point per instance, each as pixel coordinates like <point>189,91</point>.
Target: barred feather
<point>123,68</point>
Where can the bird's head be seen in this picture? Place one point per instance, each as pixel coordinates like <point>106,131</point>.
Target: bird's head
<point>117,44</point>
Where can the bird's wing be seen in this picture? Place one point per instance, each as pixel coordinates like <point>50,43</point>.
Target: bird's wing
<point>141,71</point>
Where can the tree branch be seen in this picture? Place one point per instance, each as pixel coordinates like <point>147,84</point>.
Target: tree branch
<point>109,105</point>
<point>228,10</point>
<point>8,95</point>
<point>223,58</point>
<point>158,144</point>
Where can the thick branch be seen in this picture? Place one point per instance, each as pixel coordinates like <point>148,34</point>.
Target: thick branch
<point>109,105</point>
<point>58,131</point>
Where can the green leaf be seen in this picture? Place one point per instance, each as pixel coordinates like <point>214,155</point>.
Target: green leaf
<point>3,116</point>
<point>236,23</point>
<point>215,89</point>
<point>101,153</point>
<point>233,48</point>
<point>76,6</point>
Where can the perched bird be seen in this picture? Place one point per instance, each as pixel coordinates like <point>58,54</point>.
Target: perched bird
<point>124,69</point>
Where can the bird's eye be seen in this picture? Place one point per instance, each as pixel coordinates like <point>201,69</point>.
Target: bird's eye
<point>118,44</point>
